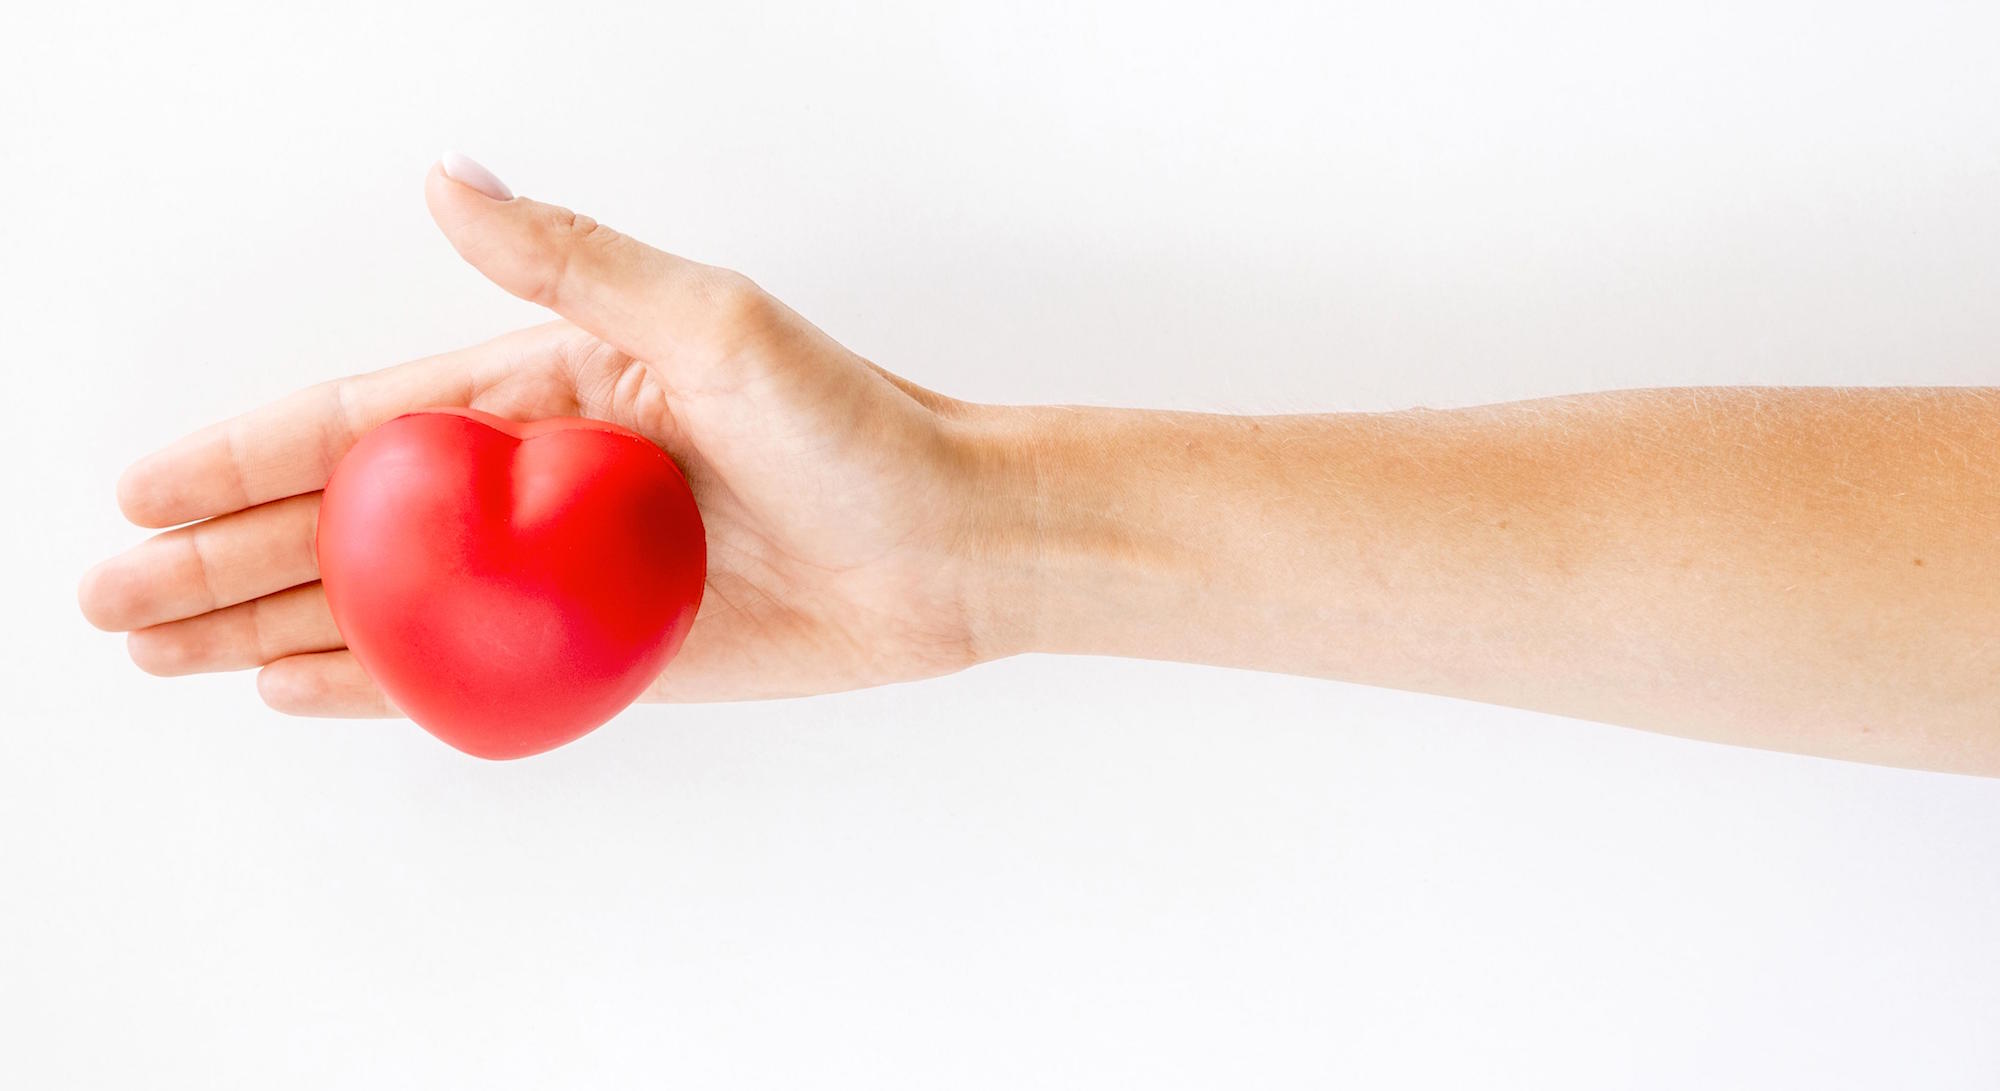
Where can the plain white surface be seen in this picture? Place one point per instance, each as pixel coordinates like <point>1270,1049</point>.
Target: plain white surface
<point>1041,873</point>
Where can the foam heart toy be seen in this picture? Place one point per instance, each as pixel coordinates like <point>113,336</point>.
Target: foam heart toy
<point>510,586</point>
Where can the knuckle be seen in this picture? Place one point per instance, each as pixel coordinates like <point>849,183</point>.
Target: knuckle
<point>572,225</point>
<point>566,240</point>
<point>732,291</point>
<point>740,308</point>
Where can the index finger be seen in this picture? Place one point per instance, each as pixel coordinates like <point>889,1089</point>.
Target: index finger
<point>291,446</point>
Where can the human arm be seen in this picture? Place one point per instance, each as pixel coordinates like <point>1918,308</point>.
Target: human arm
<point>1798,569</point>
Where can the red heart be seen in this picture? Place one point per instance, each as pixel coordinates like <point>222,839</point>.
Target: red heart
<point>510,586</point>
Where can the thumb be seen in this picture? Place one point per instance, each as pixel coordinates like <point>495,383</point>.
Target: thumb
<point>646,302</point>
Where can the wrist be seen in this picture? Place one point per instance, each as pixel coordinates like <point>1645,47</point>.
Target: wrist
<point>996,550</point>
<point>1070,547</point>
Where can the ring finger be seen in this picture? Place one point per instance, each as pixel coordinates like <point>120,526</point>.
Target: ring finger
<point>248,634</point>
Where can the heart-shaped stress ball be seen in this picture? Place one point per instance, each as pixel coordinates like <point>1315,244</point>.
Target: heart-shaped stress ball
<point>510,586</point>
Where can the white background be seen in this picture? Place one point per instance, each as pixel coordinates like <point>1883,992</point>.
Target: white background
<point>1040,873</point>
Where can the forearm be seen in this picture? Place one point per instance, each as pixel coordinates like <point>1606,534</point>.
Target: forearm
<point>1810,570</point>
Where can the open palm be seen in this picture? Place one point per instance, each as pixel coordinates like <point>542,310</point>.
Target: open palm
<point>842,504</point>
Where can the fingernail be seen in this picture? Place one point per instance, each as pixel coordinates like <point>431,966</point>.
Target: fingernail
<point>465,172</point>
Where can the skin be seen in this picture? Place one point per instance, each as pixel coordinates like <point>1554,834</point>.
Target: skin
<point>1805,570</point>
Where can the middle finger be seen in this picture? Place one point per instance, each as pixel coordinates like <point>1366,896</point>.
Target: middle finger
<point>206,566</point>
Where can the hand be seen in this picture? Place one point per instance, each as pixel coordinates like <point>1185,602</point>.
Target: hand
<point>843,505</point>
